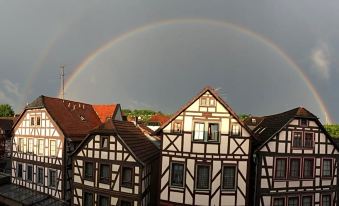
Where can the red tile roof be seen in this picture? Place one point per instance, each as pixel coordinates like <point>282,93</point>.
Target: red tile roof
<point>105,111</point>
<point>159,118</point>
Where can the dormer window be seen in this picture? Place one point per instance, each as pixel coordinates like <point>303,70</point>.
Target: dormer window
<point>303,122</point>
<point>82,118</point>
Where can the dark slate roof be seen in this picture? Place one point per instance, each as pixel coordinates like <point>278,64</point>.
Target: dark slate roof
<point>75,119</point>
<point>268,126</point>
<point>134,139</point>
<point>6,123</point>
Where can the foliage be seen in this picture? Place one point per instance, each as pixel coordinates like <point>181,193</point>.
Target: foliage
<point>142,114</point>
<point>6,110</point>
<point>244,116</point>
<point>333,130</point>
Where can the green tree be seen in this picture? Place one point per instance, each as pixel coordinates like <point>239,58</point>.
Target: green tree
<point>6,110</point>
<point>333,130</point>
<point>244,116</point>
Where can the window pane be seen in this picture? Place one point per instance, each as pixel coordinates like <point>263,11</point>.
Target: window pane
<point>126,176</point>
<point>125,203</point>
<point>29,172</point>
<point>229,177</point>
<point>19,172</point>
<point>38,120</point>
<point>88,170</point>
<point>103,201</point>
<point>308,168</point>
<point>280,168</point>
<point>293,201</point>
<point>30,145</point>
<point>327,168</point>
<point>297,139</point>
<point>88,199</point>
<point>203,177</point>
<point>52,178</point>
<point>235,129</point>
<point>326,200</point>
<point>40,176</point>
<point>213,131</point>
<point>104,142</point>
<point>279,202</point>
<point>199,131</point>
<point>308,140</point>
<point>104,173</point>
<point>177,174</point>
<point>295,168</point>
<point>52,148</point>
<point>41,147</point>
<point>307,201</point>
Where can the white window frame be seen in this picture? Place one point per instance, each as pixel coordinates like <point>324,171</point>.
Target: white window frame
<point>52,154</point>
<point>41,153</point>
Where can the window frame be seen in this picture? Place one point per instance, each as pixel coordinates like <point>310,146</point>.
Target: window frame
<point>301,122</point>
<point>17,170</point>
<point>108,179</point>
<point>55,148</point>
<point>313,168</point>
<point>29,178</point>
<point>290,168</point>
<point>301,140</point>
<point>180,122</point>
<point>194,133</point>
<point>290,197</point>
<point>105,196</point>
<point>196,176</point>
<point>283,198</point>
<point>275,168</point>
<point>102,140</point>
<point>183,174</point>
<point>21,145</point>
<point>92,176</point>
<point>322,168</point>
<point>83,197</point>
<point>30,150</point>
<point>41,153</point>
<point>306,195</point>
<point>50,178</point>
<point>37,175</point>
<point>131,184</point>
<point>235,177</point>
<point>304,144</point>
<point>232,133</point>
<point>125,200</point>
<point>322,196</point>
<point>209,132</point>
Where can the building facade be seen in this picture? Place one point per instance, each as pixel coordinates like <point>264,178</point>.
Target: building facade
<point>46,133</point>
<point>296,161</point>
<point>205,154</point>
<point>116,165</point>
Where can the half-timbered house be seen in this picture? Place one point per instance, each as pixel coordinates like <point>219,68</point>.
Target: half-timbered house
<point>46,133</point>
<point>116,165</point>
<point>205,154</point>
<point>296,160</point>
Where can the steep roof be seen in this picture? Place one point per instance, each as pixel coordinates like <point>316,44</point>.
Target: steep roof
<point>189,103</point>
<point>105,111</point>
<point>159,118</point>
<point>134,139</point>
<point>75,119</point>
<point>268,126</point>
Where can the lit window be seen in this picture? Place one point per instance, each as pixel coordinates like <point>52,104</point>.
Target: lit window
<point>235,129</point>
<point>295,168</point>
<point>88,170</point>
<point>177,174</point>
<point>280,170</point>
<point>297,139</point>
<point>41,147</point>
<point>126,179</point>
<point>30,145</point>
<point>203,177</point>
<point>327,168</point>
<point>213,131</point>
<point>104,173</point>
<point>52,178</point>
<point>40,175</point>
<point>199,129</point>
<point>29,172</point>
<point>308,168</point>
<point>308,140</point>
<point>52,148</point>
<point>293,201</point>
<point>229,177</point>
<point>104,142</point>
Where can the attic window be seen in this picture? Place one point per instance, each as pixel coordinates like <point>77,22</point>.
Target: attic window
<point>82,118</point>
<point>303,122</point>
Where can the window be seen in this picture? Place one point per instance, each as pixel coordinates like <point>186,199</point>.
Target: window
<point>213,132</point>
<point>125,203</point>
<point>88,170</point>
<point>307,201</point>
<point>199,131</point>
<point>104,173</point>
<point>293,201</point>
<point>308,140</point>
<point>52,179</point>
<point>104,142</point>
<point>327,168</point>
<point>203,101</point>
<point>32,121</point>
<point>38,121</point>
<point>41,147</point>
<point>279,202</point>
<point>103,201</point>
<point>88,199</point>
<point>308,168</point>
<point>40,175</point>
<point>177,127</point>
<point>21,146</point>
<point>203,177</point>
<point>52,148</point>
<point>211,102</point>
<point>235,129</point>
<point>228,179</point>
<point>30,145</point>
<point>280,169</point>
<point>297,139</point>
<point>126,176</point>
<point>177,174</point>
<point>303,122</point>
<point>19,170</point>
<point>295,168</point>
<point>326,200</point>
<point>29,173</point>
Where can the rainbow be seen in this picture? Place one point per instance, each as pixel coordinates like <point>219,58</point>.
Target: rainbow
<point>267,42</point>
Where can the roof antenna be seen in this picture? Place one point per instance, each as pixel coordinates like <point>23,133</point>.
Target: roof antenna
<point>62,76</point>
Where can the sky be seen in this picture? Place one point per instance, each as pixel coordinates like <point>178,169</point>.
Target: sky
<point>263,57</point>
